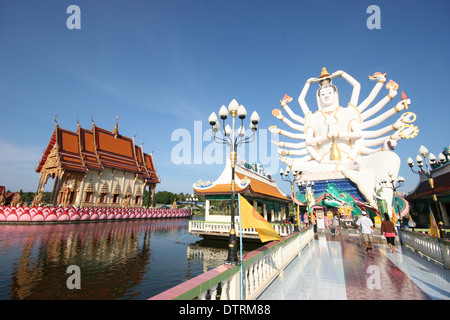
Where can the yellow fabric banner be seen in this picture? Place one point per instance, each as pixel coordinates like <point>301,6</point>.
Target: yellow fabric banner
<point>250,218</point>
<point>434,230</point>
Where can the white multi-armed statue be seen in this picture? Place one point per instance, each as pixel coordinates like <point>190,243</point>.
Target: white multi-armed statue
<point>337,139</point>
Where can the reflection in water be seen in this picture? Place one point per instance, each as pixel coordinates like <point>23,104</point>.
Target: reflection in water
<point>212,253</point>
<point>117,260</point>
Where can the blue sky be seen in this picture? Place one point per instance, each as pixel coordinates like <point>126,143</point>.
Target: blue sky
<point>163,66</point>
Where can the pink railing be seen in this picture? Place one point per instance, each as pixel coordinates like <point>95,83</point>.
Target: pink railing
<point>68,214</point>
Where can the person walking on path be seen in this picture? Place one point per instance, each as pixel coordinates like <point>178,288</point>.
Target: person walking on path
<point>335,227</point>
<point>388,228</point>
<point>313,221</point>
<point>367,230</point>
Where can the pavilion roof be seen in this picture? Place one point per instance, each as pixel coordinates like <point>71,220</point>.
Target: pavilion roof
<point>423,189</point>
<point>246,182</point>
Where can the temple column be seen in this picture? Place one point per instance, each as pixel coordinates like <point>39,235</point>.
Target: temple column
<point>42,181</point>
<point>56,189</point>
<point>153,195</point>
<point>81,194</point>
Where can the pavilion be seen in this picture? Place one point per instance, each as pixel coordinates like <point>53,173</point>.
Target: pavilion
<point>422,197</point>
<point>253,184</point>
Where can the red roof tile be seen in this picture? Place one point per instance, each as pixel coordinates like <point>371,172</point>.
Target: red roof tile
<point>99,148</point>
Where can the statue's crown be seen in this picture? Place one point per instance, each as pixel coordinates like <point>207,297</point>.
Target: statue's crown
<point>324,74</point>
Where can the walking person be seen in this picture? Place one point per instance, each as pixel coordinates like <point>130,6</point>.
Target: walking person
<point>388,228</point>
<point>313,221</point>
<point>366,225</point>
<point>335,227</point>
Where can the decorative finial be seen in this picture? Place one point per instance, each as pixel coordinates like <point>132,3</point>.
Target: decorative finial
<point>92,119</point>
<point>54,119</point>
<point>115,132</point>
<point>324,73</point>
<point>78,123</point>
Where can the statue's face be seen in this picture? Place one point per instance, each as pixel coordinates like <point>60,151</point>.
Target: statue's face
<point>327,96</point>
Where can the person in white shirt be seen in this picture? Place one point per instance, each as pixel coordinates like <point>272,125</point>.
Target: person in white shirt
<point>367,230</point>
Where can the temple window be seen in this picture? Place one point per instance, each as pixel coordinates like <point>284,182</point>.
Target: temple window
<point>88,197</point>
<point>103,197</point>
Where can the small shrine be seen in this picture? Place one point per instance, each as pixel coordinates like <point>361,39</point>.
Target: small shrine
<point>95,167</point>
<point>253,184</point>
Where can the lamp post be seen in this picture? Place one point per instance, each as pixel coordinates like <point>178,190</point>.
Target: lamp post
<point>305,185</point>
<point>394,184</point>
<point>232,140</point>
<point>429,159</point>
<point>290,176</point>
<point>192,201</point>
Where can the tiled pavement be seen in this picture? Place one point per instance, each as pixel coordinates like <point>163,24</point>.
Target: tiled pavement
<point>339,268</point>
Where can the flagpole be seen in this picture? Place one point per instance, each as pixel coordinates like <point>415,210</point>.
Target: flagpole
<point>240,250</point>
<point>437,236</point>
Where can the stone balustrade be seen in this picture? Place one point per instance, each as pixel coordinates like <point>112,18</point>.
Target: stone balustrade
<point>247,281</point>
<point>202,227</point>
<point>430,246</point>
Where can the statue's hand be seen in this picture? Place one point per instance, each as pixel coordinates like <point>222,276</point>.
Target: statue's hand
<point>313,80</point>
<point>276,142</point>
<point>286,99</point>
<point>274,129</point>
<point>277,113</point>
<point>404,104</point>
<point>287,161</point>
<point>389,145</point>
<point>336,74</point>
<point>378,76</point>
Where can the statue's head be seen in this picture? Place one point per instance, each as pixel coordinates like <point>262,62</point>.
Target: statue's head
<point>327,95</point>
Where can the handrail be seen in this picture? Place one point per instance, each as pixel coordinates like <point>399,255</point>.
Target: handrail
<point>260,267</point>
<point>282,229</point>
<point>430,246</point>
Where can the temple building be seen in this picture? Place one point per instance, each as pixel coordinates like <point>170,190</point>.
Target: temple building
<point>421,198</point>
<point>96,167</point>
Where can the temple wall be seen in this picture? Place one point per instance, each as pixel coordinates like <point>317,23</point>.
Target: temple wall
<point>106,188</point>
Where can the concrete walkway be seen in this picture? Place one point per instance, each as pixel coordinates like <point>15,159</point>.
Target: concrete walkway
<point>339,268</point>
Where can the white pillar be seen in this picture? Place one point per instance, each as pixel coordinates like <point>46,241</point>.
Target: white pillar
<point>206,210</point>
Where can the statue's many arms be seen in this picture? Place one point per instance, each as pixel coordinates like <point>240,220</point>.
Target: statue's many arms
<point>336,138</point>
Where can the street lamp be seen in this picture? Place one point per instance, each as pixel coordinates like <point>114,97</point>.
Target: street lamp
<point>192,201</point>
<point>291,176</point>
<point>233,140</point>
<point>394,184</point>
<point>429,159</point>
<point>305,185</point>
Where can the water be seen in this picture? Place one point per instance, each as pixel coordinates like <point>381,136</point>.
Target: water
<point>134,259</point>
